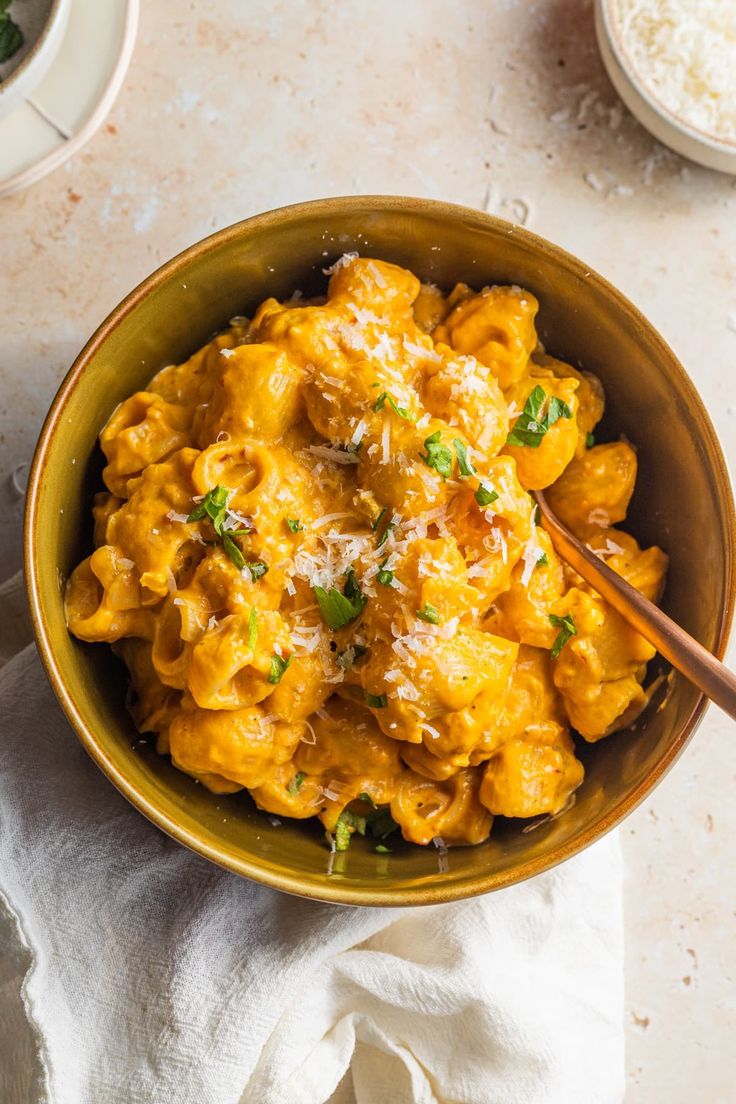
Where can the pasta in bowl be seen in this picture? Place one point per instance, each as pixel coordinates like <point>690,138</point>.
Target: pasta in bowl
<point>681,502</point>
<point>318,556</point>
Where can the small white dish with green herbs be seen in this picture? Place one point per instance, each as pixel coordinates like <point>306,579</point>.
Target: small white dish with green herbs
<point>31,32</point>
<point>56,119</point>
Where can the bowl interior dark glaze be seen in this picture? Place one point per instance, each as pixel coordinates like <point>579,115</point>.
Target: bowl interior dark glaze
<point>683,502</point>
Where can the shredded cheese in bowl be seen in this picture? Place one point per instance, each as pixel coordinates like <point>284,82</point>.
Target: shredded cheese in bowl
<point>684,52</point>
<point>321,562</point>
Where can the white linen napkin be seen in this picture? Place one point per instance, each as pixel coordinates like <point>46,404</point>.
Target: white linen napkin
<point>134,972</point>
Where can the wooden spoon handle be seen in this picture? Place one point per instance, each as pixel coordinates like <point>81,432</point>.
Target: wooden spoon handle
<point>684,653</point>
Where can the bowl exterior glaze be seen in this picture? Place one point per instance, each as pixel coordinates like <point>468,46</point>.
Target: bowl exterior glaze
<point>683,502</point>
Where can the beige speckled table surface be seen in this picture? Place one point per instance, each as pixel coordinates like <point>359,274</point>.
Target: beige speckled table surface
<point>233,107</point>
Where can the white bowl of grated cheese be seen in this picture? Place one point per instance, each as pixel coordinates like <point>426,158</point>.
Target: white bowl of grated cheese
<point>673,63</point>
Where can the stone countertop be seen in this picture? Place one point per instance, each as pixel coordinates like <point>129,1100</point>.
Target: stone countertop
<point>230,109</point>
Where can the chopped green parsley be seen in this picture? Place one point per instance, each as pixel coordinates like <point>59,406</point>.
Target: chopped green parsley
<point>338,609</point>
<point>531,425</point>
<point>11,36</point>
<point>384,398</point>
<point>429,613</point>
<point>567,628</point>
<point>252,629</point>
<point>385,576</point>
<point>296,783</point>
<point>461,450</point>
<point>391,525</point>
<point>484,496</point>
<point>279,664</point>
<point>350,656</point>
<point>378,822</point>
<point>379,519</point>
<point>437,456</point>
<point>214,507</point>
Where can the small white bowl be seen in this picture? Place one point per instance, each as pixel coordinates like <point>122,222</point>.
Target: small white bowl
<point>666,125</point>
<point>21,81</point>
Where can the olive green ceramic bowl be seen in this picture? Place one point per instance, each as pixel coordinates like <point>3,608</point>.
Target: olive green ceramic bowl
<point>683,502</point>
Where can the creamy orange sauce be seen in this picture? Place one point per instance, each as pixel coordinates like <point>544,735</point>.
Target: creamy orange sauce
<point>319,559</point>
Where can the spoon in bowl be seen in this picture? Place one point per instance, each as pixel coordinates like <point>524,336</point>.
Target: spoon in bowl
<point>684,652</point>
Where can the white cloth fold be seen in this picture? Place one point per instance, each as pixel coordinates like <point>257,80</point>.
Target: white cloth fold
<point>134,972</point>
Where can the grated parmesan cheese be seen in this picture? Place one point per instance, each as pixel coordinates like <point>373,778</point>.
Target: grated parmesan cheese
<point>611,549</point>
<point>359,432</point>
<point>305,639</point>
<point>324,520</point>
<point>430,730</point>
<point>341,262</point>
<point>264,723</point>
<point>376,274</point>
<point>236,521</point>
<point>599,516</point>
<point>684,51</point>
<point>364,317</point>
<point>442,852</point>
<point>312,733</point>
<point>407,691</point>
<point>532,551</point>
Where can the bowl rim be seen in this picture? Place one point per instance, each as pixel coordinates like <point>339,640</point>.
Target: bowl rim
<point>611,25</point>
<point>58,11</point>
<point>337,892</point>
